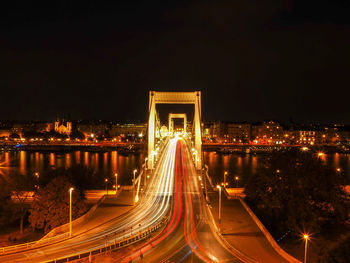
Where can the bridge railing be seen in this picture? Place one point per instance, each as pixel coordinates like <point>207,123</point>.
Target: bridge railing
<point>111,243</point>
<point>32,244</point>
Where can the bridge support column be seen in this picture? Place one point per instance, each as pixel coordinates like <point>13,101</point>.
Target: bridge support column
<point>151,130</point>
<point>197,131</point>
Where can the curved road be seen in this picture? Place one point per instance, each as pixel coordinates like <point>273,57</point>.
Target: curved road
<point>152,208</point>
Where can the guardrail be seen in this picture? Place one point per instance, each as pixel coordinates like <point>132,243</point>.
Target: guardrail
<point>111,244</point>
<point>28,245</point>
<point>206,168</point>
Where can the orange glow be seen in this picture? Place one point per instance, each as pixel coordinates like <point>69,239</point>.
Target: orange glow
<point>52,159</point>
<point>22,158</point>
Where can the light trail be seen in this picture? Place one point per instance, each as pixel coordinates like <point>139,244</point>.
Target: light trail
<point>155,204</point>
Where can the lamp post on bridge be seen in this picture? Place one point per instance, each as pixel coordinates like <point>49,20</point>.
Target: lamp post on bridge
<point>306,238</point>
<point>146,159</point>
<point>225,174</point>
<point>133,187</point>
<point>219,187</point>
<point>70,211</point>
<point>236,179</point>
<point>116,183</point>
<point>106,181</point>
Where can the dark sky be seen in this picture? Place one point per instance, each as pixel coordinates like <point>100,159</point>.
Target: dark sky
<point>251,59</point>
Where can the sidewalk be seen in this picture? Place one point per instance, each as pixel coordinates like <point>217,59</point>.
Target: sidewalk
<point>111,207</point>
<point>239,229</point>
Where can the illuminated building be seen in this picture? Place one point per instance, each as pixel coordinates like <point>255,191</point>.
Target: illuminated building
<point>63,127</point>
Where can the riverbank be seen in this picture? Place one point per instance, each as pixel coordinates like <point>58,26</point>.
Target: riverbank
<point>66,147</point>
<point>231,148</point>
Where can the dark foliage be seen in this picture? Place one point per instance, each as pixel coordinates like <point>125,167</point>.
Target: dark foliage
<point>6,211</point>
<point>296,191</point>
<point>50,207</point>
<point>80,176</point>
<point>336,252</point>
<point>20,187</point>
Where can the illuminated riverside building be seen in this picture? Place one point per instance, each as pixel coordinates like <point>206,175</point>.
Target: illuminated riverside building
<point>268,133</point>
<point>63,127</point>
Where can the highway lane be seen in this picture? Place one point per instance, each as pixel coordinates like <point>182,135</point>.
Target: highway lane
<point>189,235</point>
<point>152,208</point>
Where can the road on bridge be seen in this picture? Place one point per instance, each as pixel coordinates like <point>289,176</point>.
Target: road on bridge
<point>189,236</point>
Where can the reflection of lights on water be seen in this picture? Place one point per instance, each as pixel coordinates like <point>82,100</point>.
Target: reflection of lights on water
<point>4,162</point>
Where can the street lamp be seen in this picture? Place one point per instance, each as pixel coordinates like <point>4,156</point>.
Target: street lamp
<point>236,178</point>
<point>219,187</point>
<point>306,238</point>
<point>146,159</point>
<point>116,183</point>
<point>133,186</point>
<point>70,211</point>
<point>225,174</point>
<point>106,181</point>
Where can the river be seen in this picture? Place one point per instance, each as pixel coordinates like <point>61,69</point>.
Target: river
<point>105,165</point>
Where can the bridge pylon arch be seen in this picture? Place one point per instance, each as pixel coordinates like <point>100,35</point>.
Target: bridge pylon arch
<point>177,116</point>
<point>194,98</point>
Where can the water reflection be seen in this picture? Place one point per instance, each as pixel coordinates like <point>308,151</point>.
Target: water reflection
<point>104,165</point>
<point>245,165</point>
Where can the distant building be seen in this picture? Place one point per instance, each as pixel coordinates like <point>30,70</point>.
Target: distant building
<point>63,127</point>
<point>268,133</point>
<point>128,130</point>
<point>238,132</point>
<point>91,130</point>
<point>228,132</point>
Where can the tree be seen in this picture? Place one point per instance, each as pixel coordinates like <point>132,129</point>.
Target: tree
<point>21,187</point>
<point>6,211</point>
<point>80,176</point>
<point>296,191</point>
<point>337,252</point>
<point>50,207</point>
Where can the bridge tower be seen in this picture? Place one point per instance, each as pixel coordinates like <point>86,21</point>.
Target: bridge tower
<point>177,116</point>
<point>193,98</point>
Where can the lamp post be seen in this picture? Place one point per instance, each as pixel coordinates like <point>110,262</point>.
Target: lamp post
<point>106,181</point>
<point>70,211</point>
<point>225,174</point>
<point>306,238</point>
<point>146,159</point>
<point>236,178</point>
<point>133,187</point>
<point>116,183</point>
<point>219,187</point>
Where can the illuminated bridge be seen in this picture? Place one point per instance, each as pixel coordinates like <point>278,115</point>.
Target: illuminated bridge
<point>170,220</point>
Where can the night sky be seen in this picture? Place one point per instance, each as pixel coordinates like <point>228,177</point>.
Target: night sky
<point>252,59</point>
